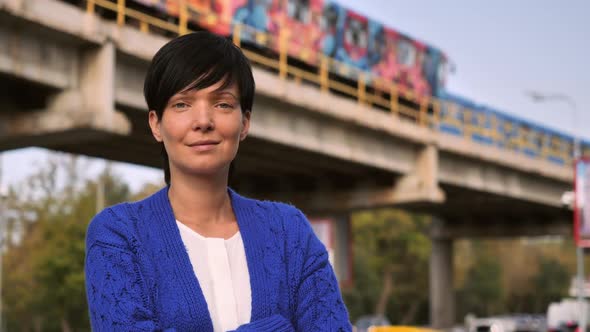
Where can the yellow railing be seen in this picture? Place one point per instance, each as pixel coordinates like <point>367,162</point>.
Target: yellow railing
<point>382,93</point>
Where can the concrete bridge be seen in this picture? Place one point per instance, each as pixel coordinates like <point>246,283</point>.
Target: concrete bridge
<point>72,81</point>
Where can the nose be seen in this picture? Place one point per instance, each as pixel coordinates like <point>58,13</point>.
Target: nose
<point>203,119</point>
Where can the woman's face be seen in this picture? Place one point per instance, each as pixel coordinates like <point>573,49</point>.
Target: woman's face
<point>201,129</point>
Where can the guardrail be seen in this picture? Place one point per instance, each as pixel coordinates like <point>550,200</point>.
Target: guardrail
<point>426,112</point>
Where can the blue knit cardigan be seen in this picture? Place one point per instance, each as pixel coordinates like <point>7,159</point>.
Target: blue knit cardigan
<point>139,276</point>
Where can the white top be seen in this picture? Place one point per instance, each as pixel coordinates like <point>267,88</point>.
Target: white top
<point>222,270</point>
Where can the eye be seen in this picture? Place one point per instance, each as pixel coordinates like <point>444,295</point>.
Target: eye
<point>180,106</point>
<point>225,105</point>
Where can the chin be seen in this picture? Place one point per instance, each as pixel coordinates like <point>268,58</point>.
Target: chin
<point>209,169</point>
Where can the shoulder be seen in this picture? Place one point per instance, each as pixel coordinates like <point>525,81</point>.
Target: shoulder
<point>289,213</point>
<point>269,210</point>
<point>287,217</point>
<point>116,226</point>
<point>110,226</point>
<point>289,225</point>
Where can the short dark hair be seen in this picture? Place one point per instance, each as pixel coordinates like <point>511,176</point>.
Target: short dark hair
<point>196,61</point>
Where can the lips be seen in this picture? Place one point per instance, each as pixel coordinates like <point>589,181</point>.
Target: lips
<point>205,145</point>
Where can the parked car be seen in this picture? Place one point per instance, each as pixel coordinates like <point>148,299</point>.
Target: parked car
<point>563,316</point>
<point>507,323</point>
<point>365,322</point>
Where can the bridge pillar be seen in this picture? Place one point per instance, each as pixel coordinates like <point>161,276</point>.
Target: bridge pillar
<point>342,244</point>
<point>442,299</point>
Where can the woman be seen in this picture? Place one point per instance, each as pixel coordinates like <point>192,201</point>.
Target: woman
<point>196,256</point>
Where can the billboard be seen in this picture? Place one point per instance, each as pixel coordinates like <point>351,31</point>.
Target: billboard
<point>582,202</point>
<point>334,233</point>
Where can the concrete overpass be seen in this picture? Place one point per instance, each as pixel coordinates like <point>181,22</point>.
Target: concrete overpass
<point>73,82</point>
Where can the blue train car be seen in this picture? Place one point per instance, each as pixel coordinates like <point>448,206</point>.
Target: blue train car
<point>435,70</point>
<point>352,47</point>
<point>256,15</point>
<point>313,28</point>
<point>329,28</point>
<point>483,124</point>
<point>534,140</point>
<point>559,146</point>
<point>452,113</point>
<point>531,139</point>
<point>492,127</point>
<point>510,132</point>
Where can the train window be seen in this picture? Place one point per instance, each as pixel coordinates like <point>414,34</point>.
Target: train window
<point>543,140</point>
<point>356,33</point>
<point>508,127</point>
<point>329,18</point>
<point>524,134</point>
<point>299,10</point>
<point>538,139</point>
<point>569,146</point>
<point>481,120</point>
<point>494,126</point>
<point>512,132</point>
<point>555,143</point>
<point>454,111</point>
<point>561,146</point>
<point>406,53</point>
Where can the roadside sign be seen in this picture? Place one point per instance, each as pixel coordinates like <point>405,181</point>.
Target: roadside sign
<point>335,234</point>
<point>582,202</point>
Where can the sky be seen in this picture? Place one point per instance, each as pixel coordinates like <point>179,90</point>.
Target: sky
<point>500,50</point>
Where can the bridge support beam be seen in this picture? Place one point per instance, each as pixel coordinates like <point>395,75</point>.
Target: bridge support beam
<point>442,299</point>
<point>82,112</point>
<point>421,185</point>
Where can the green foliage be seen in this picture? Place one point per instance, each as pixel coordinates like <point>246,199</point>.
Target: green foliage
<point>552,280</point>
<point>511,276</point>
<point>44,263</point>
<point>482,292</point>
<point>390,247</point>
<point>495,276</point>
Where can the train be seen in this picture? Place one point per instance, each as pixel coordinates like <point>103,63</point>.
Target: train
<point>488,126</point>
<point>314,28</point>
<point>365,49</point>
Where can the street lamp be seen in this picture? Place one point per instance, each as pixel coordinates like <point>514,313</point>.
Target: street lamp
<point>539,97</point>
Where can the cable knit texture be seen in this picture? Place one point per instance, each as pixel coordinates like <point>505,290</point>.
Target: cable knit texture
<point>139,276</point>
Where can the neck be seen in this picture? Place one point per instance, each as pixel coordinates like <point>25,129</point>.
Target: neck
<point>200,200</point>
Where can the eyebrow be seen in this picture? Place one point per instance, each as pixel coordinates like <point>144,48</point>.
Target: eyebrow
<point>224,92</point>
<point>221,91</point>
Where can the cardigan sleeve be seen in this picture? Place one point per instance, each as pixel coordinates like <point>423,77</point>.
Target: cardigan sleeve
<point>115,289</point>
<point>318,302</point>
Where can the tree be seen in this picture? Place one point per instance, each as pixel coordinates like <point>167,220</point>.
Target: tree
<point>391,264</point>
<point>44,263</point>
<point>551,282</point>
<point>481,293</point>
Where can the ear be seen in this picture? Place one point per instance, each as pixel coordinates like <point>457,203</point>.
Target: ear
<point>245,125</point>
<point>155,125</point>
